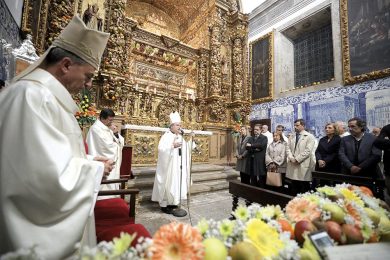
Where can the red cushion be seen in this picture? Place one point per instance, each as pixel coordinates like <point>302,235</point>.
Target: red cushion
<point>115,231</point>
<point>111,209</point>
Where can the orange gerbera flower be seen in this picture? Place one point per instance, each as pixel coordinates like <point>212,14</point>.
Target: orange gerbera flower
<point>300,209</point>
<point>177,241</point>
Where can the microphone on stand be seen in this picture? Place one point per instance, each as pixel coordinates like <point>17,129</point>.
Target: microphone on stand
<point>181,131</point>
<point>179,212</point>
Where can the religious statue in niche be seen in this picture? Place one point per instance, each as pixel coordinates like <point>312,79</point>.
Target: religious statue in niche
<point>92,19</point>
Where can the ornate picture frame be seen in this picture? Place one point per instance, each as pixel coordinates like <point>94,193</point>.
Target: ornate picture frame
<point>365,40</point>
<point>261,61</point>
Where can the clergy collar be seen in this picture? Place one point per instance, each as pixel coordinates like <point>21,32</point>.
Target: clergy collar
<point>56,88</point>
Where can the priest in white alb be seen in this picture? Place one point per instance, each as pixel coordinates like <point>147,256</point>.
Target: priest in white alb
<point>173,152</point>
<point>48,186</point>
<point>102,141</point>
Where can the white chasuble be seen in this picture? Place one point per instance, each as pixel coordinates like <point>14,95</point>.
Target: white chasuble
<point>47,186</point>
<point>166,188</point>
<point>102,142</point>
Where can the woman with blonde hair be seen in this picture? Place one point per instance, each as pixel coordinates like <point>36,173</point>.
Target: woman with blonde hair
<point>275,156</point>
<point>327,159</point>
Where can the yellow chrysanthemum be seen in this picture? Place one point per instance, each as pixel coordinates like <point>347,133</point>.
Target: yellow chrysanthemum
<point>122,243</point>
<point>351,196</point>
<point>264,238</point>
<point>328,191</point>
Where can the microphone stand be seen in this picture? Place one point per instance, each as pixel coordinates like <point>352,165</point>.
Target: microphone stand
<point>179,212</point>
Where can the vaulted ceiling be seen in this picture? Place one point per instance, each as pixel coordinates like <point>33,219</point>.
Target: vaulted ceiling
<point>179,10</point>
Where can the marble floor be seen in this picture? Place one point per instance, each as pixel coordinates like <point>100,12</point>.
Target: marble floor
<point>215,205</point>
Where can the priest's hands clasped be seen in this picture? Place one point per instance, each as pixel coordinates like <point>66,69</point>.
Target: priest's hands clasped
<point>108,164</point>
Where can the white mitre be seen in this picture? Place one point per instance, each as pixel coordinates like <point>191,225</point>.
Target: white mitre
<point>175,118</point>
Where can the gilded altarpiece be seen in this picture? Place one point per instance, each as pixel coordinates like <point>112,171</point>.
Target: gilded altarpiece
<point>162,56</point>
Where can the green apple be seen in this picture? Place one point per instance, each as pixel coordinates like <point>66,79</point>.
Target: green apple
<point>214,249</point>
<point>336,212</point>
<point>244,251</point>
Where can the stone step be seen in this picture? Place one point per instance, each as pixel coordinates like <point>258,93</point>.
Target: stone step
<point>197,188</point>
<point>196,177</point>
<point>146,172</point>
<point>205,178</point>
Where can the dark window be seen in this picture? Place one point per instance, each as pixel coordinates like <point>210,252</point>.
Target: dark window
<point>313,57</point>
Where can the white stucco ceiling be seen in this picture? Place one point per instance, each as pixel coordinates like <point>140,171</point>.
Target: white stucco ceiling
<point>249,5</point>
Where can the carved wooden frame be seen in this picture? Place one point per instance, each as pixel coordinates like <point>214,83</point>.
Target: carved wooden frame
<point>346,58</point>
<point>270,37</point>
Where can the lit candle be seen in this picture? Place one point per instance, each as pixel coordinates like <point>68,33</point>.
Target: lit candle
<point>179,95</point>
<point>155,91</point>
<point>136,87</point>
<point>147,89</point>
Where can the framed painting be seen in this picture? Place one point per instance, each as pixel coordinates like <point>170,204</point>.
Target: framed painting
<point>261,68</point>
<point>365,35</point>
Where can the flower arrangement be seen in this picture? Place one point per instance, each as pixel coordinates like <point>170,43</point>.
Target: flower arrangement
<point>256,232</point>
<point>87,113</point>
<point>349,214</point>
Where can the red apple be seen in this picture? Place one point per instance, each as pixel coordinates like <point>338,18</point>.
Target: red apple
<point>334,231</point>
<point>301,227</point>
<point>353,234</point>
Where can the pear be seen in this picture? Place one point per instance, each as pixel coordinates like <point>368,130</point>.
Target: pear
<point>384,229</point>
<point>336,212</point>
<point>244,251</point>
<point>306,254</point>
<point>214,249</point>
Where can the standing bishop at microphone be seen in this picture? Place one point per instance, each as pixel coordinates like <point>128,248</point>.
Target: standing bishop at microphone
<point>173,151</point>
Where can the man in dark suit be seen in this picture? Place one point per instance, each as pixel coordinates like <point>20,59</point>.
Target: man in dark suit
<point>383,142</point>
<point>357,153</point>
<point>257,146</point>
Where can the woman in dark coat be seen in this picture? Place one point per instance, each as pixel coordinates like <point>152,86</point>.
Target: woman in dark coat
<point>242,155</point>
<point>327,159</point>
